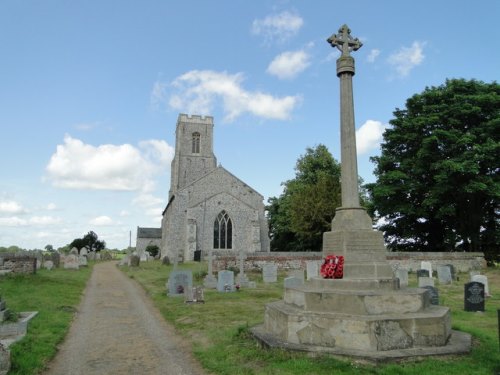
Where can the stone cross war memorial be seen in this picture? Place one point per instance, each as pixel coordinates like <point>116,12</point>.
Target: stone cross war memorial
<point>364,314</point>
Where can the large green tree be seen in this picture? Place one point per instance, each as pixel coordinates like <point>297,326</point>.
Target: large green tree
<point>305,209</point>
<point>438,185</point>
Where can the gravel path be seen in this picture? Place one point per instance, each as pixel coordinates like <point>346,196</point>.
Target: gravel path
<point>117,330</point>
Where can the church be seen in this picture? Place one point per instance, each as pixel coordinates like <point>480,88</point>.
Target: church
<point>208,207</point>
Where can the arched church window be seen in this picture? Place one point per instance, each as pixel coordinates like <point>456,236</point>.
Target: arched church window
<point>196,143</point>
<point>223,231</point>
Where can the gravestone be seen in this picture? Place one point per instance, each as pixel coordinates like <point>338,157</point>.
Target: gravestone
<point>71,262</point>
<point>270,273</point>
<point>48,264</point>
<point>402,275</point>
<point>165,261</point>
<point>242,279</point>
<point>453,271</point>
<point>225,281</point>
<point>444,275</point>
<point>425,281</point>
<point>424,265</point>
<point>474,296</point>
<point>56,258</point>
<point>484,280</point>
<point>134,261</point>
<point>292,281</point>
<point>433,294</point>
<point>179,281</point>
<point>312,269</point>
<point>422,273</point>
<point>210,281</point>
<point>84,251</point>
<point>97,256</point>
<point>4,360</point>
<point>74,251</point>
<point>197,255</point>
<point>82,261</point>
<point>194,295</point>
<point>91,255</point>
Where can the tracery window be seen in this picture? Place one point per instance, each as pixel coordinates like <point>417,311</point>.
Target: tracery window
<point>195,143</point>
<point>223,231</point>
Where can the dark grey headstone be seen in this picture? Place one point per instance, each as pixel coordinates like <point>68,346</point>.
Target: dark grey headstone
<point>474,296</point>
<point>225,281</point>
<point>134,261</point>
<point>423,273</point>
<point>165,261</point>
<point>197,255</point>
<point>433,294</point>
<point>453,271</point>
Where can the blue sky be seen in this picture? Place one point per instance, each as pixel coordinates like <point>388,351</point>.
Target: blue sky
<point>90,92</point>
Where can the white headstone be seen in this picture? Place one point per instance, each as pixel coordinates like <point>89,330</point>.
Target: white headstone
<point>270,273</point>
<point>483,280</point>
<point>74,251</point>
<point>48,264</point>
<point>312,268</point>
<point>426,266</point>
<point>82,261</point>
<point>444,274</point>
<point>179,281</point>
<point>225,281</point>
<point>84,251</point>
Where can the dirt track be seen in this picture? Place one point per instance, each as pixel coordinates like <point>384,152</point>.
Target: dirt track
<point>117,330</point>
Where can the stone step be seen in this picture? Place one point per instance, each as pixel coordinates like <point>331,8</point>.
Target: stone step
<point>431,327</point>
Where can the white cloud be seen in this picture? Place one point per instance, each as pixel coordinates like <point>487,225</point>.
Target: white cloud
<point>199,90</point>
<point>152,206</point>
<point>51,206</point>
<point>372,56</point>
<point>101,221</point>
<point>279,27</point>
<point>124,213</point>
<point>11,207</point>
<point>76,165</point>
<point>158,151</point>
<point>407,58</point>
<point>158,94</point>
<point>289,64</point>
<point>369,136</point>
<point>15,221</point>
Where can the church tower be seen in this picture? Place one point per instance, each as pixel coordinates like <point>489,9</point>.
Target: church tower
<point>194,156</point>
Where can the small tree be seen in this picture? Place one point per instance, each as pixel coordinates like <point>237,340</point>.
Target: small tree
<point>153,250</point>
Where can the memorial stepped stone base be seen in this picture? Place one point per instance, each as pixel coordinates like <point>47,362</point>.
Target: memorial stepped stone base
<point>372,319</point>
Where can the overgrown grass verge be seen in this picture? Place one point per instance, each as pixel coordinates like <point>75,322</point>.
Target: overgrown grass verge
<point>218,330</point>
<point>55,295</point>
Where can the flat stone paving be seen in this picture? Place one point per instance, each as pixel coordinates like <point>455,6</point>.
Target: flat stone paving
<point>117,330</point>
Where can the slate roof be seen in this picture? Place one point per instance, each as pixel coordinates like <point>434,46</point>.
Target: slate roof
<point>148,232</point>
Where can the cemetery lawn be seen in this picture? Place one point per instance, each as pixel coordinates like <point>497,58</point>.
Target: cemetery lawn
<point>55,295</point>
<point>219,329</point>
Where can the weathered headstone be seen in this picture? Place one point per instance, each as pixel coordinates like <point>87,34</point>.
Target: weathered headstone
<point>134,261</point>
<point>424,265</point>
<point>91,255</point>
<point>444,275</point>
<point>474,296</point>
<point>242,279</point>
<point>270,273</point>
<point>484,280</point>
<point>74,251</point>
<point>225,281</point>
<point>71,262</point>
<point>453,271</point>
<point>292,281</point>
<point>179,281</point>
<point>84,251</point>
<point>425,281</point>
<point>97,256</point>
<point>165,261</point>
<point>312,269</point>
<point>433,294</point>
<point>82,261</point>
<point>56,258</point>
<point>48,264</point>
<point>210,281</point>
<point>194,295</point>
<point>402,275</point>
<point>422,273</point>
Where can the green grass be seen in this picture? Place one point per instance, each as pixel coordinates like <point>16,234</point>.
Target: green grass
<point>218,330</point>
<point>55,295</point>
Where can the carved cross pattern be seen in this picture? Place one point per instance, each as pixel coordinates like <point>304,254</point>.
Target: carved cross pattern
<point>344,41</point>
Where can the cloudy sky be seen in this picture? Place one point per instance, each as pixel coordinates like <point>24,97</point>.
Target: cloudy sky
<point>90,92</point>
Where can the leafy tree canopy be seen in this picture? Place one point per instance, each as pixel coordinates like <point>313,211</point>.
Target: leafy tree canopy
<point>90,240</point>
<point>305,209</point>
<point>438,185</point>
